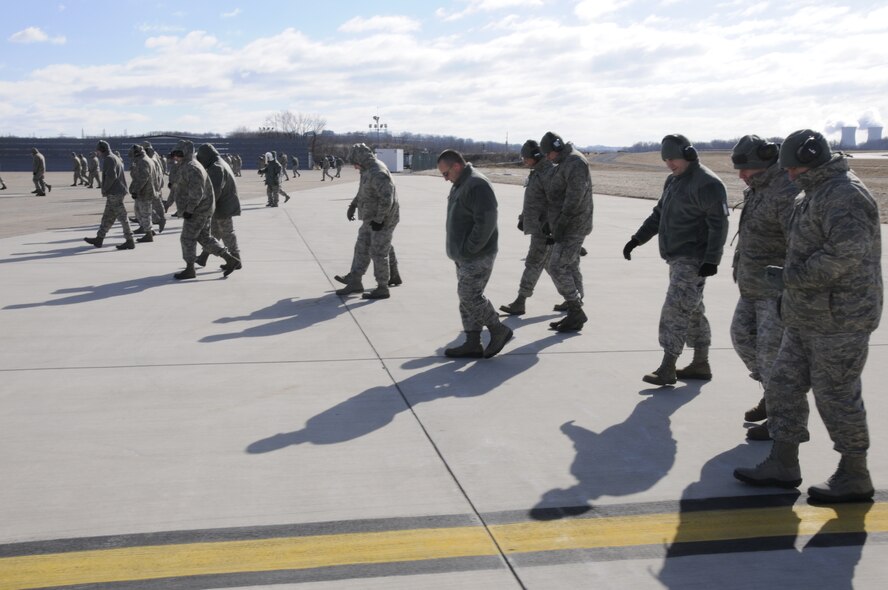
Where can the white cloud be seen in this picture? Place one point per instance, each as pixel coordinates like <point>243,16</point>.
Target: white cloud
<point>158,28</point>
<point>593,9</point>
<point>35,35</point>
<point>389,24</point>
<point>475,6</point>
<point>231,14</point>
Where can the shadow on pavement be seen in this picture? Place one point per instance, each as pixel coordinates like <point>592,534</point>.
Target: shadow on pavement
<point>376,407</point>
<point>288,316</point>
<point>775,560</point>
<point>626,458</point>
<point>98,292</point>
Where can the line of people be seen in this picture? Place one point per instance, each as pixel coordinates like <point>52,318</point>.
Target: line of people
<point>203,187</point>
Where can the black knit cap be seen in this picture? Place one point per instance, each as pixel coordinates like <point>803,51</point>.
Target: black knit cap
<point>531,149</point>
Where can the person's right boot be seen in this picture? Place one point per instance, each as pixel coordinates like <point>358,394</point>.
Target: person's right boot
<point>499,335</point>
<point>380,292</point>
<point>96,241</point>
<point>394,276</point>
<point>188,273</point>
<point>516,307</point>
<point>563,306</point>
<point>699,367</point>
<point>575,319</point>
<point>759,432</point>
<point>780,469</point>
<point>759,412</point>
<point>148,237</point>
<point>471,348</point>
<point>344,279</point>
<point>850,483</point>
<point>129,244</point>
<point>231,263</point>
<point>665,373</point>
<point>352,285</point>
<point>202,258</point>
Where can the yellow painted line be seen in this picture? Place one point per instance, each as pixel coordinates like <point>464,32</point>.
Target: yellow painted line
<point>303,553</point>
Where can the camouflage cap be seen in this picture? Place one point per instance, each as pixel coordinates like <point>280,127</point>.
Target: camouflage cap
<point>804,149</point>
<point>754,152</point>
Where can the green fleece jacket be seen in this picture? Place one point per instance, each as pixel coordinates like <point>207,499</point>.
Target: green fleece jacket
<point>471,217</point>
<point>691,217</point>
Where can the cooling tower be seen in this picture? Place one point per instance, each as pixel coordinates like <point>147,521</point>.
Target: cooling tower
<point>849,137</point>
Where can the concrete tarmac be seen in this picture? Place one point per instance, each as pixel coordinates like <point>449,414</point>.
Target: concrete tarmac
<point>260,431</point>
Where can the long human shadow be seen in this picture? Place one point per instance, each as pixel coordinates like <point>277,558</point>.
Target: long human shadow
<point>623,459</point>
<point>376,407</point>
<point>286,316</point>
<point>826,561</point>
<point>97,292</point>
<point>47,254</point>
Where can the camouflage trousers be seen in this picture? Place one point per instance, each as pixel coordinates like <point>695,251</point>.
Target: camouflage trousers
<point>197,231</point>
<point>538,254</point>
<point>375,246</point>
<point>475,310</point>
<point>831,366</point>
<point>39,183</point>
<point>158,208</point>
<point>756,331</point>
<point>222,228</point>
<point>115,210</point>
<point>564,268</point>
<point>144,207</point>
<point>93,175</point>
<point>683,317</point>
<point>273,193</point>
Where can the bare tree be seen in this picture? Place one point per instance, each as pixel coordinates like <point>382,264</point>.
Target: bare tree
<point>295,124</point>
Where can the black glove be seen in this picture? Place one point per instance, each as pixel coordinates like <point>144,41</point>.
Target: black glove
<point>707,269</point>
<point>376,225</point>
<point>260,172</point>
<point>550,240</point>
<point>351,212</point>
<point>520,223</point>
<point>546,229</point>
<point>629,247</point>
<point>187,215</point>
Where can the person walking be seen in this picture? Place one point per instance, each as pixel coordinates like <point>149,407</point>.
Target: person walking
<point>39,173</point>
<point>472,242</point>
<point>379,212</point>
<point>756,328</point>
<point>832,296</point>
<point>691,221</point>
<point>227,202</point>
<point>195,201</point>
<point>533,221</point>
<point>114,190</point>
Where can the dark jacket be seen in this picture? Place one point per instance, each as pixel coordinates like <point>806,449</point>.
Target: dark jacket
<point>833,272</point>
<point>113,179</point>
<point>570,195</point>
<point>691,217</point>
<point>471,217</point>
<point>222,178</point>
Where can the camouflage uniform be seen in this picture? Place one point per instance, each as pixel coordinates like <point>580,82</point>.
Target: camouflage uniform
<point>157,172</point>
<point>225,191</point>
<point>93,171</point>
<point>339,164</point>
<point>76,168</point>
<point>691,220</point>
<point>83,168</point>
<point>472,238</point>
<point>195,201</point>
<point>142,186</point>
<point>533,218</point>
<point>283,160</point>
<point>272,172</point>
<point>114,190</point>
<point>376,202</point>
<point>756,328</point>
<point>570,220</point>
<point>325,169</point>
<point>832,301</point>
<point>39,171</point>
<point>296,166</point>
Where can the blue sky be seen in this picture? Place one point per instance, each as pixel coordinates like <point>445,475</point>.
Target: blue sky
<point>609,72</point>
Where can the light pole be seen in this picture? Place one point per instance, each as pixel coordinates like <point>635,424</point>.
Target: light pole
<point>377,125</point>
